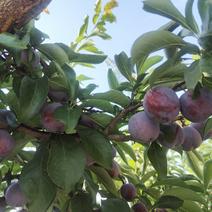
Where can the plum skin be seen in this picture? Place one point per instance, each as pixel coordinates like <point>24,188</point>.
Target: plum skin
<point>128,191</point>
<point>49,121</point>
<point>192,138</point>
<point>139,207</point>
<point>7,143</point>
<point>162,104</point>
<point>196,109</point>
<point>143,128</point>
<point>171,135</point>
<point>14,196</point>
<point>115,171</point>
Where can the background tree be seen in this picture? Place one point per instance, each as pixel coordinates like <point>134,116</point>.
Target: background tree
<point>64,147</point>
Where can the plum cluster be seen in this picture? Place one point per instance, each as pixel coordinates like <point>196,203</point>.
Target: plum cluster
<point>158,120</point>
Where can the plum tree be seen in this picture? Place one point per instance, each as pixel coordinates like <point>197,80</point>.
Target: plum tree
<point>143,128</point>
<point>128,191</point>
<point>7,143</point>
<point>48,120</point>
<point>162,104</point>
<point>192,138</point>
<point>139,207</point>
<point>115,171</point>
<point>14,196</point>
<point>58,95</point>
<point>196,109</point>
<point>171,135</point>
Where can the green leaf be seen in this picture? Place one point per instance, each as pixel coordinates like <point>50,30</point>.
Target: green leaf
<point>175,181</point>
<point>54,52</point>
<point>66,162</point>
<point>69,116</point>
<point>112,79</point>
<point>97,146</point>
<point>12,41</point>
<point>151,42</point>
<point>98,7</point>
<point>124,65</point>
<point>190,17</point>
<point>207,170</point>
<point>99,103</point>
<point>168,71</point>
<point>169,202</point>
<point>149,62</point>
<point>33,93</point>
<point>78,199</point>
<point>167,9</point>
<point>128,149</point>
<point>195,164</point>
<point>208,126</point>
<point>121,154</point>
<point>88,58</point>
<point>101,119</point>
<point>105,179</point>
<point>83,30</point>
<point>193,75</point>
<point>202,8</point>
<point>186,194</point>
<point>157,157</point>
<point>191,206</point>
<point>113,96</point>
<point>36,184</point>
<point>114,205</point>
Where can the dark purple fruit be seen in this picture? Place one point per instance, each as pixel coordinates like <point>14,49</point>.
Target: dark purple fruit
<point>196,109</point>
<point>162,104</point>
<point>7,143</point>
<point>143,128</point>
<point>199,127</point>
<point>49,121</point>
<point>128,191</point>
<point>192,138</point>
<point>171,135</point>
<point>14,196</point>
<point>139,207</point>
<point>7,119</point>
<point>115,171</point>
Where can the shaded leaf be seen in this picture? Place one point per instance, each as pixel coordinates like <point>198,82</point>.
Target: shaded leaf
<point>190,17</point>
<point>207,173</point>
<point>36,184</point>
<point>186,194</point>
<point>97,146</point>
<point>157,157</point>
<point>114,205</point>
<point>66,162</point>
<point>33,94</point>
<point>169,202</point>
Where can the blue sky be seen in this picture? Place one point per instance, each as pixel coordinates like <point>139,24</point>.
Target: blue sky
<point>66,16</point>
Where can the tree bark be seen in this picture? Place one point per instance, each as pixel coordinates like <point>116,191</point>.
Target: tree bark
<point>15,13</point>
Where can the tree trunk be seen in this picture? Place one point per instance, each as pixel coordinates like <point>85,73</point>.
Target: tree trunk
<point>18,12</point>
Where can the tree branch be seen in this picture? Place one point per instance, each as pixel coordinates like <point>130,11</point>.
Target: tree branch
<point>109,129</point>
<point>41,135</point>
